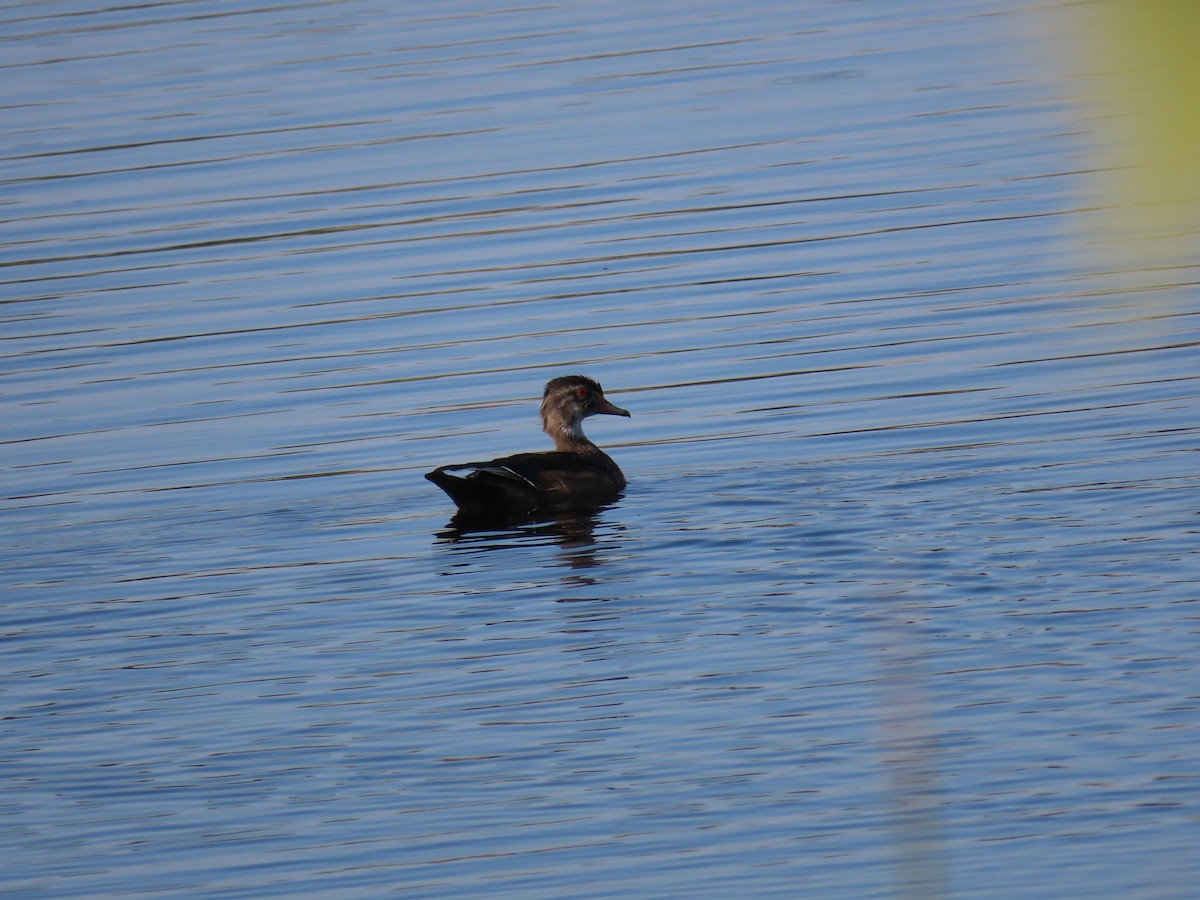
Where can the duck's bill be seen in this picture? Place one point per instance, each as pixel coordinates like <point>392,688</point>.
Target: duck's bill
<point>609,409</point>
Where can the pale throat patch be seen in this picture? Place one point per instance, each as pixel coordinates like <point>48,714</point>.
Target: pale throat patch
<point>556,426</point>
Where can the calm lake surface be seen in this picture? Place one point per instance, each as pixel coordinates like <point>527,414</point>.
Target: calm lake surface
<point>902,598</point>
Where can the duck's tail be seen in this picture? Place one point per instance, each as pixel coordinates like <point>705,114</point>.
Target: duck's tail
<point>485,489</point>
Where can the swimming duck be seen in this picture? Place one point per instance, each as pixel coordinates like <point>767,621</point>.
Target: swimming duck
<point>575,474</point>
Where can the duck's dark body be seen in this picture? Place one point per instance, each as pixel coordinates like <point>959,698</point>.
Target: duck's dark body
<point>527,482</point>
<point>577,474</point>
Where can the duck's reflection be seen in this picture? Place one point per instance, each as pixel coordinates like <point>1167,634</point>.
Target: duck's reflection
<point>574,531</point>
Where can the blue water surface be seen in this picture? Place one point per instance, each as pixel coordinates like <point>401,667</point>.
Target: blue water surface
<point>901,598</point>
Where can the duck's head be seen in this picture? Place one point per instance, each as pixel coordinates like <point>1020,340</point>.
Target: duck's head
<point>567,401</point>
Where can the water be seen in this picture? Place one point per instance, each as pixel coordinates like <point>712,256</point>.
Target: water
<point>901,597</point>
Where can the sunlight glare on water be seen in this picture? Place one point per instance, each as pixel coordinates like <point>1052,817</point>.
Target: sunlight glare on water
<point>901,597</point>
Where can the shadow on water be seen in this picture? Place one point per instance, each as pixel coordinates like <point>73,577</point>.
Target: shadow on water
<point>573,530</point>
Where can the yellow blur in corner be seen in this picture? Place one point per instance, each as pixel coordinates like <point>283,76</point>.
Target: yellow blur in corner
<point>1141,60</point>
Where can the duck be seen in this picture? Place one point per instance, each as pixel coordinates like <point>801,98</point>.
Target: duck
<point>575,474</point>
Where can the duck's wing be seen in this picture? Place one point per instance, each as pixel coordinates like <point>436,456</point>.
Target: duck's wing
<point>563,478</point>
<point>544,470</point>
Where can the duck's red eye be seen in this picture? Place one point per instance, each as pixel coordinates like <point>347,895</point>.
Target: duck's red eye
<point>581,392</point>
